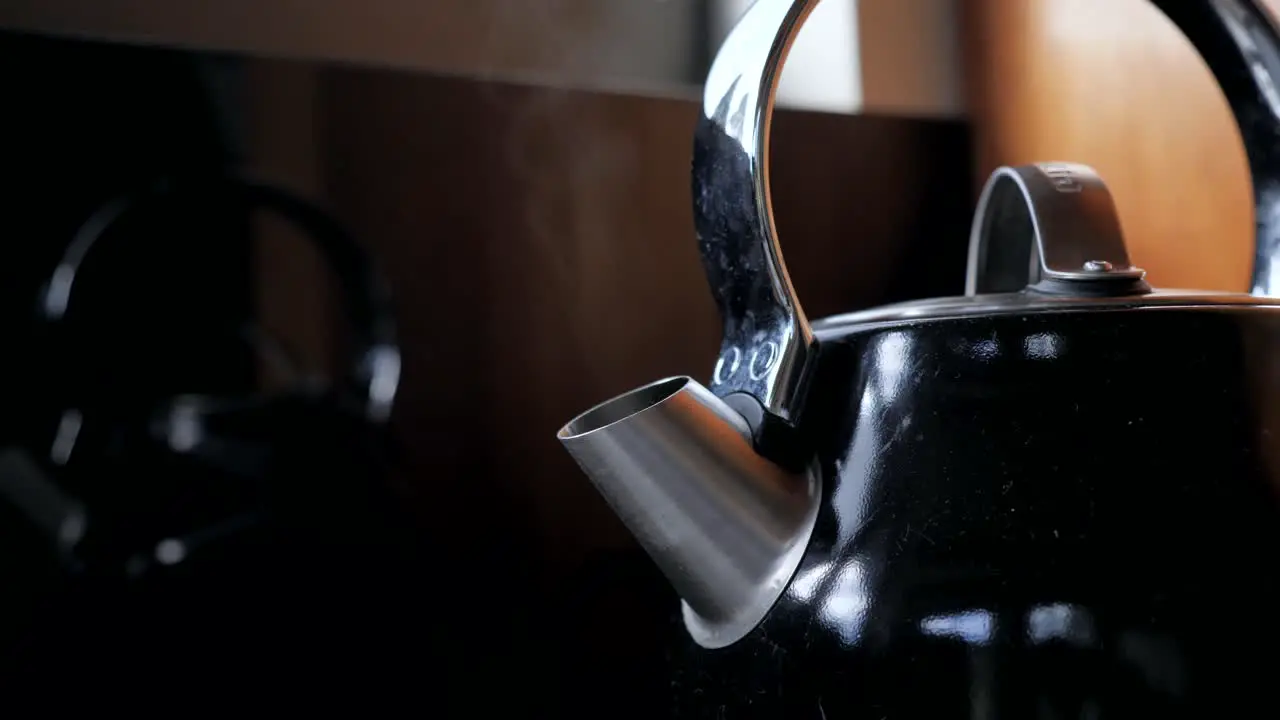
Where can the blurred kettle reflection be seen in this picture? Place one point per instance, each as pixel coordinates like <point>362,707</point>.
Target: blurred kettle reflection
<point>208,534</point>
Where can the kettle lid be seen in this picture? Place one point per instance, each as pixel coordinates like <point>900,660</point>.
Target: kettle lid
<point>1046,237</point>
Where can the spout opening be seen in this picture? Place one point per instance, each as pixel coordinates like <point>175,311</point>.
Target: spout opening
<point>615,410</point>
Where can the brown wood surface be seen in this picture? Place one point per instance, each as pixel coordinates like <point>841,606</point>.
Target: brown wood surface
<point>1113,84</point>
<point>294,287</point>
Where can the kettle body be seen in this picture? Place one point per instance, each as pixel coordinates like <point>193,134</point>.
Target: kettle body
<point>1063,515</point>
<point>1057,496</point>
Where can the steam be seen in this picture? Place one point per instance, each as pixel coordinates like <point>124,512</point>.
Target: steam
<point>572,163</point>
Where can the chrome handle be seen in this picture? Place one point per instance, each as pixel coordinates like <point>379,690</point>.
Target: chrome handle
<point>768,346</point>
<point>767,341</point>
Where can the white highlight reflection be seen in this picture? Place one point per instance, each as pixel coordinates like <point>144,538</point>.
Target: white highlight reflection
<point>1061,621</point>
<point>1042,346</point>
<point>807,581</point>
<point>975,627</point>
<point>845,609</point>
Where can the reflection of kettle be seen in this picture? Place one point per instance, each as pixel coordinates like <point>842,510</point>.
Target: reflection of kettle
<point>1056,496</point>
<point>109,425</point>
<point>193,522</point>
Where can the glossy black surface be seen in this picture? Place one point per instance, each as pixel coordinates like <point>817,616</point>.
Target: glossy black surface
<point>1062,515</point>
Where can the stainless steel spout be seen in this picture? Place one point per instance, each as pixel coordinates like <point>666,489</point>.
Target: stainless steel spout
<point>726,526</point>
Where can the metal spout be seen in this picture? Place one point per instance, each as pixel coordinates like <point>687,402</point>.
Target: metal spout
<point>726,526</point>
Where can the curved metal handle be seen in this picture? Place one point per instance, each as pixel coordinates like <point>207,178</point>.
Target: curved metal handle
<point>768,345</point>
<point>1049,227</point>
<point>767,340</point>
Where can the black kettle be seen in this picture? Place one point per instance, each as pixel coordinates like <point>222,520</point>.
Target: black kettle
<point>1057,496</point>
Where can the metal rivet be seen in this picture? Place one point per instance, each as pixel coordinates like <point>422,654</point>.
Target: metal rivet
<point>727,366</point>
<point>762,359</point>
<point>1098,266</point>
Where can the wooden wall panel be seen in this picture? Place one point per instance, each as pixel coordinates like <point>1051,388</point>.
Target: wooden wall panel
<point>908,55</point>
<point>283,126</point>
<point>1113,84</point>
